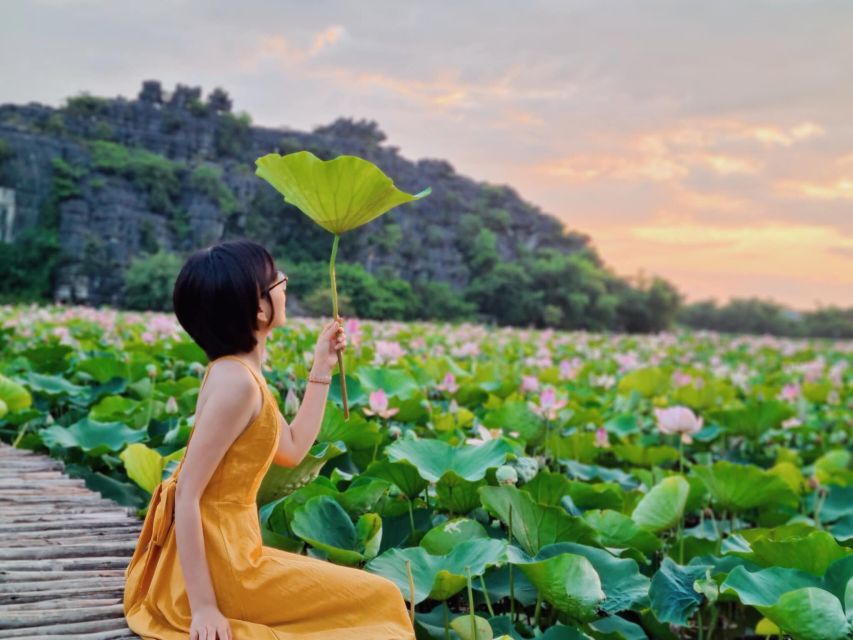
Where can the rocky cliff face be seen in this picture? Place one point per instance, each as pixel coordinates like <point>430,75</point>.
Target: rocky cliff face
<point>118,177</point>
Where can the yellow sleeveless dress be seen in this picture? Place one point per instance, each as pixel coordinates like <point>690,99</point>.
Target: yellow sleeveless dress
<point>266,593</point>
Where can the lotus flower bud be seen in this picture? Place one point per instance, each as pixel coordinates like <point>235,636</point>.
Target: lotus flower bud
<point>171,405</point>
<point>506,475</point>
<point>291,402</point>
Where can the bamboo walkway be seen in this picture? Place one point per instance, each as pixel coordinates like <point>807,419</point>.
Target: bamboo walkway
<point>63,552</point>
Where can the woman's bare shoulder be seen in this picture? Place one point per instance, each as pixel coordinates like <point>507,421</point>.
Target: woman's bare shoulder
<point>231,378</point>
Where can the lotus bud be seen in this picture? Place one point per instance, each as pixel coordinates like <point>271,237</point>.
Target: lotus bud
<point>506,475</point>
<point>394,431</point>
<point>291,402</point>
<point>151,370</point>
<point>171,405</point>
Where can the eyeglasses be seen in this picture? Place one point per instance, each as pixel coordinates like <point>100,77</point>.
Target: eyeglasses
<point>282,278</point>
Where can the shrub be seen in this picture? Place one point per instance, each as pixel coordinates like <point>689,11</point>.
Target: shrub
<point>149,280</point>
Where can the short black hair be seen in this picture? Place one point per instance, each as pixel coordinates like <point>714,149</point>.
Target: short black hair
<point>217,293</point>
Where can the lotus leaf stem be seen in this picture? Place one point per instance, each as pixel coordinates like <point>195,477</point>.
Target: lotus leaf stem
<point>341,372</point>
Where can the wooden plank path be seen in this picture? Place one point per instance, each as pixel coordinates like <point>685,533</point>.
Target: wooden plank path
<point>63,553</point>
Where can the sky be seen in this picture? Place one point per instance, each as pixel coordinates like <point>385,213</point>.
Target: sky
<point>710,143</point>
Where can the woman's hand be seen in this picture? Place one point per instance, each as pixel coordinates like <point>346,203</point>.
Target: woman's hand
<point>331,340</point>
<point>208,623</point>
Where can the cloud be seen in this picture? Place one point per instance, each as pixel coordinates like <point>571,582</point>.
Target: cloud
<point>279,49</point>
<point>671,154</point>
<point>841,189</point>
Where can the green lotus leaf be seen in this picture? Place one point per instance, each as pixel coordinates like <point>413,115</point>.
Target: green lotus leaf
<point>623,584</point>
<point>48,358</point>
<point>756,418</point>
<point>737,487</point>
<point>567,580</point>
<point>833,467</point>
<point>355,433</point>
<point>662,507</point>
<point>479,630</point>
<point>442,538</point>
<point>103,368</point>
<point>340,194</point>
<point>363,494</point>
<point>280,481</point>
<point>403,474</point>
<point>578,446</point>
<point>516,416</point>
<point>14,395</point>
<point>811,553</point>
<point>93,437</point>
<point>648,382</point>
<point>803,605</point>
<point>434,458</point>
<point>53,385</point>
<point>673,598</point>
<point>113,408</point>
<point>438,577</point>
<point>790,475</point>
<point>143,465</point>
<point>547,487</point>
<point>598,495</point>
<point>613,627</point>
<point>765,587</point>
<point>535,525</point>
<point>641,456</point>
<point>618,530</point>
<point>810,614</point>
<point>324,524</point>
<point>396,383</point>
<point>456,494</point>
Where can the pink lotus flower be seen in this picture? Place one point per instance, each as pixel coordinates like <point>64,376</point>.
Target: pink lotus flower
<point>353,331</point>
<point>681,379</point>
<point>529,383</point>
<point>601,439</point>
<point>548,404</point>
<point>569,370</point>
<point>485,435</point>
<point>379,405</point>
<point>449,384</point>
<point>387,352</point>
<point>678,420</point>
<point>790,392</point>
<point>465,350</point>
<point>627,361</point>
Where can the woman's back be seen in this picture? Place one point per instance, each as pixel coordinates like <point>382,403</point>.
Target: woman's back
<point>263,591</point>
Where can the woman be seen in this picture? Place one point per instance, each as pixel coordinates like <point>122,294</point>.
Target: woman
<point>213,579</point>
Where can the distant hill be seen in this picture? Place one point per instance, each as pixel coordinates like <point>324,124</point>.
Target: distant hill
<point>112,179</point>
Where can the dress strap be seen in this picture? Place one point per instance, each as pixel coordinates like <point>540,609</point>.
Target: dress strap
<point>203,380</point>
<point>260,381</point>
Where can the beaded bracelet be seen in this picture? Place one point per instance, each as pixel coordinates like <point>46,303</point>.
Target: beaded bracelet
<point>321,380</point>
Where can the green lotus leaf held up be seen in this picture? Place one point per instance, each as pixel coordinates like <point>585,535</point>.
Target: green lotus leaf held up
<point>340,194</point>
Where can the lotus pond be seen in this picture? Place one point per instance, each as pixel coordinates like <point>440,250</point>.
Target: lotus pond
<point>513,483</point>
